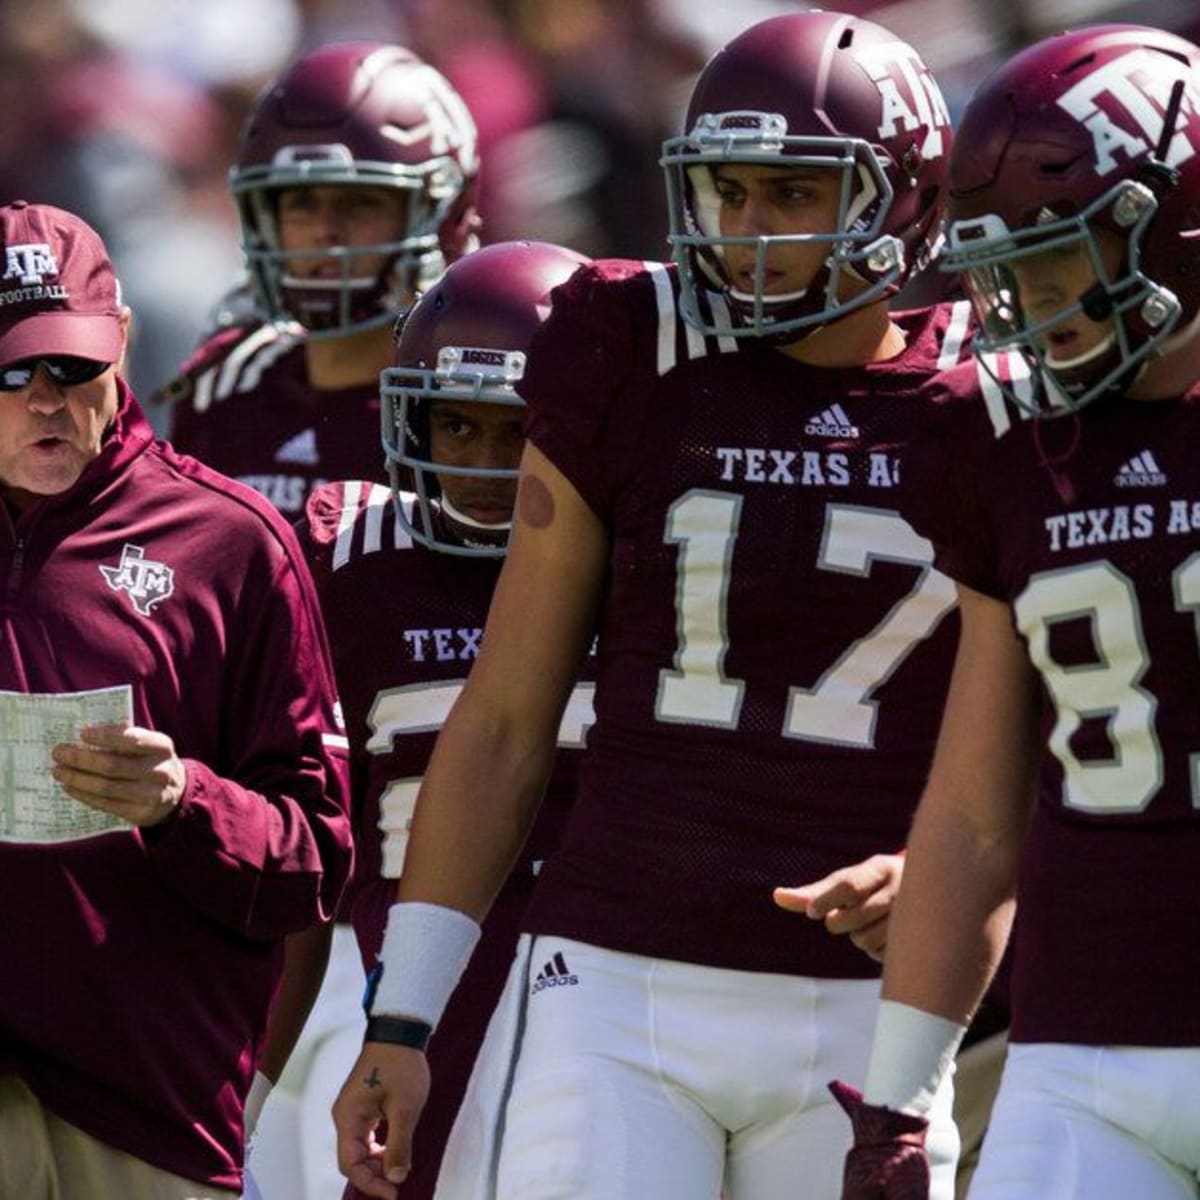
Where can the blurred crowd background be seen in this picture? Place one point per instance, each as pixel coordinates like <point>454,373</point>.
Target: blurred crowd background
<point>128,111</point>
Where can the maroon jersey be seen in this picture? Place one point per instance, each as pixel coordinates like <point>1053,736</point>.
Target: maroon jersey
<point>1089,528</point>
<point>772,652</point>
<point>244,406</point>
<point>141,963</point>
<point>405,623</point>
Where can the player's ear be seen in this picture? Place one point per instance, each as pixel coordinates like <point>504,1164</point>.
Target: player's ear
<point>125,321</point>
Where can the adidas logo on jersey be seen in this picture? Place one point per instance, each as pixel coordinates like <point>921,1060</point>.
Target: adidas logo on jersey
<point>555,973</point>
<point>832,423</point>
<point>1140,471</point>
<point>299,449</point>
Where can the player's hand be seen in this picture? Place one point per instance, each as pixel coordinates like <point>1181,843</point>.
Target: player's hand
<point>855,901</point>
<point>387,1088</point>
<point>888,1159</point>
<point>125,770</point>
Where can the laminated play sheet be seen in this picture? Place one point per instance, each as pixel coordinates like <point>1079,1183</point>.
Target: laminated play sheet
<point>33,807</point>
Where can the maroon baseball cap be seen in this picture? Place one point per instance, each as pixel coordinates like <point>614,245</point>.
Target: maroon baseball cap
<point>58,293</point>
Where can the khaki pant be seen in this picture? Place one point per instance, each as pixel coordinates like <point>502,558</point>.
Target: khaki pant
<point>44,1158</point>
<point>976,1081</point>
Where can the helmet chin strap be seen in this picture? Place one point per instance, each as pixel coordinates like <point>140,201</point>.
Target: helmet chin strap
<point>461,518</point>
<point>318,284</point>
<point>1080,360</point>
<point>1126,374</point>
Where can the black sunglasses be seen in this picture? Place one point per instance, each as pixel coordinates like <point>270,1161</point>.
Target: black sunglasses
<point>62,368</point>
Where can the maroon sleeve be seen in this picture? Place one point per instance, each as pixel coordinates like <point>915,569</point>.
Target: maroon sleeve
<point>943,466</point>
<point>274,867</point>
<point>578,363</point>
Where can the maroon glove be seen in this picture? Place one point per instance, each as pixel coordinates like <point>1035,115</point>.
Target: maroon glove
<point>888,1159</point>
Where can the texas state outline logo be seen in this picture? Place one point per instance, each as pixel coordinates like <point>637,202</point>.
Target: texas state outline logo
<point>147,583</point>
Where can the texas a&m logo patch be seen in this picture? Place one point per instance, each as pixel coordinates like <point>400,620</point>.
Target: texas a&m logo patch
<point>143,580</point>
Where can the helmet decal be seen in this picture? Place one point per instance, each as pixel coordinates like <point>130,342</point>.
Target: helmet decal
<point>911,98</point>
<point>1122,105</point>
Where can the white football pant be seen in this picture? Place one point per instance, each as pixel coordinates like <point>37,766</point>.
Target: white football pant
<point>294,1153</point>
<point>1101,1122</point>
<point>639,1077</point>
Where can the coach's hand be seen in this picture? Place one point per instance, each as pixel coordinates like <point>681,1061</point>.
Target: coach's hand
<point>381,1099</point>
<point>125,770</point>
<point>888,1159</point>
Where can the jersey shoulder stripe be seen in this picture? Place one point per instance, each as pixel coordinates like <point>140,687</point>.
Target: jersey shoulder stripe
<point>232,362</point>
<point>678,342</point>
<point>956,337</point>
<point>352,518</point>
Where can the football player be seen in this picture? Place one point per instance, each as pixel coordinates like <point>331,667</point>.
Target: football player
<point>405,578</point>
<point>1058,484</point>
<point>710,483</point>
<point>355,185</point>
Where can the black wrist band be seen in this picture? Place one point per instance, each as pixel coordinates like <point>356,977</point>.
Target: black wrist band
<point>398,1031</point>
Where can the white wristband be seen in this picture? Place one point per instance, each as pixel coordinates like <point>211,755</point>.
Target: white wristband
<point>912,1052</point>
<point>425,951</point>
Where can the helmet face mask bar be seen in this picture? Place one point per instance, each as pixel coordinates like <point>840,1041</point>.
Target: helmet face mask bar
<point>698,247</point>
<point>992,260</point>
<point>466,374</point>
<point>332,305</point>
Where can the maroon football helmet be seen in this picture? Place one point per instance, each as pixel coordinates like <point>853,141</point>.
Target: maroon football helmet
<point>357,113</point>
<point>465,339</point>
<point>1086,145</point>
<point>810,89</point>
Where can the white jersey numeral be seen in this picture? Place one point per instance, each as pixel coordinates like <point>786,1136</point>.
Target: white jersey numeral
<point>423,708</point>
<point>1108,689</point>
<point>696,692</point>
<point>840,708</point>
<point>396,808</point>
<point>1187,599</point>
